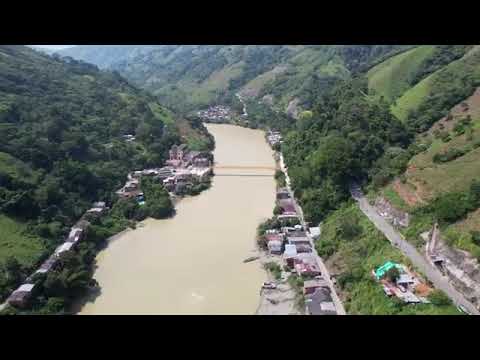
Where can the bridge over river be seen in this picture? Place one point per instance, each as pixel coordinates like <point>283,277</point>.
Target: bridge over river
<point>244,170</point>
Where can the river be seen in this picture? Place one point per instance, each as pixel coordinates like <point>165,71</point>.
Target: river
<point>193,262</point>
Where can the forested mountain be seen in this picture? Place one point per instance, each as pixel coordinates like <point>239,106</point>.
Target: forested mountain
<point>62,124</point>
<point>186,77</point>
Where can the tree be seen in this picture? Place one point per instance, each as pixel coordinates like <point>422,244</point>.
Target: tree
<point>13,270</point>
<point>277,210</point>
<point>439,298</point>
<point>350,228</point>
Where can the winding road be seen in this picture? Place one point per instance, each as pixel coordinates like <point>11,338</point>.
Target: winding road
<point>432,273</point>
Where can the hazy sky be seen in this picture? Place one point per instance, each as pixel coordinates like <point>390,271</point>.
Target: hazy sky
<point>54,47</point>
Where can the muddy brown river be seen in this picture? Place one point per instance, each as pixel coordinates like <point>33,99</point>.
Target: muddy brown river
<point>193,262</point>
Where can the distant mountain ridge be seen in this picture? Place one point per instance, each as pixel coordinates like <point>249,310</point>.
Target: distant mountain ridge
<point>186,77</point>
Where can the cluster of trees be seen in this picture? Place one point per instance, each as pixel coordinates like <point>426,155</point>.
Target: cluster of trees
<point>65,121</point>
<point>347,133</point>
<point>451,207</point>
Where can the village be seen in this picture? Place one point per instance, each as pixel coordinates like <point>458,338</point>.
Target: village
<point>290,245</point>
<point>217,113</point>
<point>183,170</point>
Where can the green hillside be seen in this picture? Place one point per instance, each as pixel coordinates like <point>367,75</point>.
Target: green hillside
<point>394,76</point>
<point>428,100</point>
<point>187,77</point>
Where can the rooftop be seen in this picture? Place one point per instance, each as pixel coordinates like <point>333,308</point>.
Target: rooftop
<point>25,288</point>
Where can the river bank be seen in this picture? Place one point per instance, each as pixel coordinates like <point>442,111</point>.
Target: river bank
<point>193,263</point>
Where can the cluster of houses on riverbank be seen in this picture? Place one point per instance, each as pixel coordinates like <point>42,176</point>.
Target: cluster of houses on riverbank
<point>294,245</point>
<point>20,297</point>
<point>183,170</point>
<point>216,113</point>
<point>405,284</point>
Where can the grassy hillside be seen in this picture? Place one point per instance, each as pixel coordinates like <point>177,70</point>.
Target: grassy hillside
<point>430,99</point>
<point>394,76</point>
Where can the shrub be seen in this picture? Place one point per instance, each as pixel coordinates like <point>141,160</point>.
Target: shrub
<point>275,269</point>
<point>439,298</point>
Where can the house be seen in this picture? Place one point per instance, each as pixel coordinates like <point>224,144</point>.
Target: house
<point>328,308</point>
<point>98,208</point>
<point>382,270</point>
<point>290,254</point>
<point>303,248</point>
<point>315,232</point>
<point>65,247</point>
<point>201,162</point>
<point>288,217</point>
<point>275,247</point>
<point>165,173</point>
<point>283,194</point>
<point>298,238</point>
<point>129,137</point>
<point>319,303</point>
<point>201,173</point>
<point>100,204</point>
<point>288,206</point>
<point>306,265</point>
<point>47,265</point>
<point>309,286</point>
<point>20,296</point>
<point>177,152</point>
<point>75,235</point>
<point>408,297</point>
<point>405,280</point>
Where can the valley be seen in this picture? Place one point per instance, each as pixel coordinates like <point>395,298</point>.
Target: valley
<point>400,122</point>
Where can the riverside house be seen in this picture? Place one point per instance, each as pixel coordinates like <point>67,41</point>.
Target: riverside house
<point>20,297</point>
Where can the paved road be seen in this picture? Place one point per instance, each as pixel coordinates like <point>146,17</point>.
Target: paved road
<point>326,274</point>
<point>432,273</point>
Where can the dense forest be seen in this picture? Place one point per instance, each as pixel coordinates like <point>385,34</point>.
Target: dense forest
<point>337,144</point>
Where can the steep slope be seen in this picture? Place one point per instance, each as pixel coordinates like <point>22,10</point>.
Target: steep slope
<point>62,126</point>
<point>451,82</point>
<point>393,77</point>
